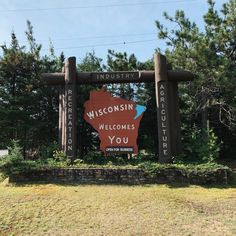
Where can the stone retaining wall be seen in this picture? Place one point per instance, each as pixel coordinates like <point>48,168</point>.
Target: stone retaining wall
<point>120,176</point>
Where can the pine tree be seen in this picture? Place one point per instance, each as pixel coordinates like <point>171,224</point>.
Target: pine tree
<point>87,136</point>
<point>210,55</point>
<point>26,104</point>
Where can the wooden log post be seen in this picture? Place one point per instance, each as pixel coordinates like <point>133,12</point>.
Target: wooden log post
<point>162,100</point>
<point>69,134</point>
<point>167,111</point>
<point>61,117</point>
<point>174,117</point>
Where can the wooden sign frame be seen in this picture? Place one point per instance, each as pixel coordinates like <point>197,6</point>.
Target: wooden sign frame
<point>167,101</point>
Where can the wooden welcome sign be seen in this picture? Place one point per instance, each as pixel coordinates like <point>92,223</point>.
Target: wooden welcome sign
<point>116,120</point>
<point>113,132</point>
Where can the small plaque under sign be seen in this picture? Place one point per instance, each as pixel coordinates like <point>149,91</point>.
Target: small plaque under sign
<point>119,149</point>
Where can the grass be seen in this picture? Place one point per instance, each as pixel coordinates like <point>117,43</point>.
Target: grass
<point>116,210</point>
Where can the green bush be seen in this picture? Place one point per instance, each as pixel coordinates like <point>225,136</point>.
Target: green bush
<point>196,151</point>
<point>14,162</point>
<point>46,152</point>
<point>94,158</point>
<point>15,154</point>
<point>199,147</point>
<point>52,156</point>
<point>199,169</point>
<point>15,151</point>
<point>59,160</point>
<point>98,158</point>
<point>59,155</point>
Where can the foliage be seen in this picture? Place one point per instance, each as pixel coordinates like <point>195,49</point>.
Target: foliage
<point>117,61</point>
<point>46,151</point>
<point>15,162</point>
<point>201,152</point>
<point>87,136</point>
<point>27,107</point>
<point>15,151</point>
<point>14,158</point>
<point>97,158</point>
<point>198,146</point>
<point>59,160</point>
<point>143,94</point>
<point>188,169</point>
<point>52,156</point>
<point>211,56</point>
<point>59,155</point>
<point>94,158</point>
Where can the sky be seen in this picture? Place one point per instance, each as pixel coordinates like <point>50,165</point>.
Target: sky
<point>77,27</point>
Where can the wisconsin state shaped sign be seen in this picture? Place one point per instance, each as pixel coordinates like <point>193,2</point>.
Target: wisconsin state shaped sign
<point>116,121</point>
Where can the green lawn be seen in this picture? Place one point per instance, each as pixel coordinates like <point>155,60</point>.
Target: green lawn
<point>116,210</point>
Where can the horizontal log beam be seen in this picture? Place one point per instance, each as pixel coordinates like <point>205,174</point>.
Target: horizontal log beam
<point>54,78</point>
<point>180,75</point>
<point>116,77</point>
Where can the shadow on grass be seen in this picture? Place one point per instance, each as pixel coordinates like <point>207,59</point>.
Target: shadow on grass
<point>208,186</point>
<point>232,184</point>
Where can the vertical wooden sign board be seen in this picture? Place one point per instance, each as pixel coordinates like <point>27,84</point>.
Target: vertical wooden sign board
<point>70,110</point>
<point>162,99</point>
<point>167,111</point>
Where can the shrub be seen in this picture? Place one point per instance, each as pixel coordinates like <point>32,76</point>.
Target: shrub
<point>59,156</point>
<point>46,152</point>
<point>199,147</point>
<point>14,162</point>
<point>59,160</point>
<point>15,151</point>
<point>15,154</point>
<point>98,158</point>
<point>94,158</point>
<point>198,169</point>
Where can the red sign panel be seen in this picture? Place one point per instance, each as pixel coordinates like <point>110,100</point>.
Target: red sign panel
<point>116,121</point>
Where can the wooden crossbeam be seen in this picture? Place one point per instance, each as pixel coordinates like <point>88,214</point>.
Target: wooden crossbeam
<point>116,77</point>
